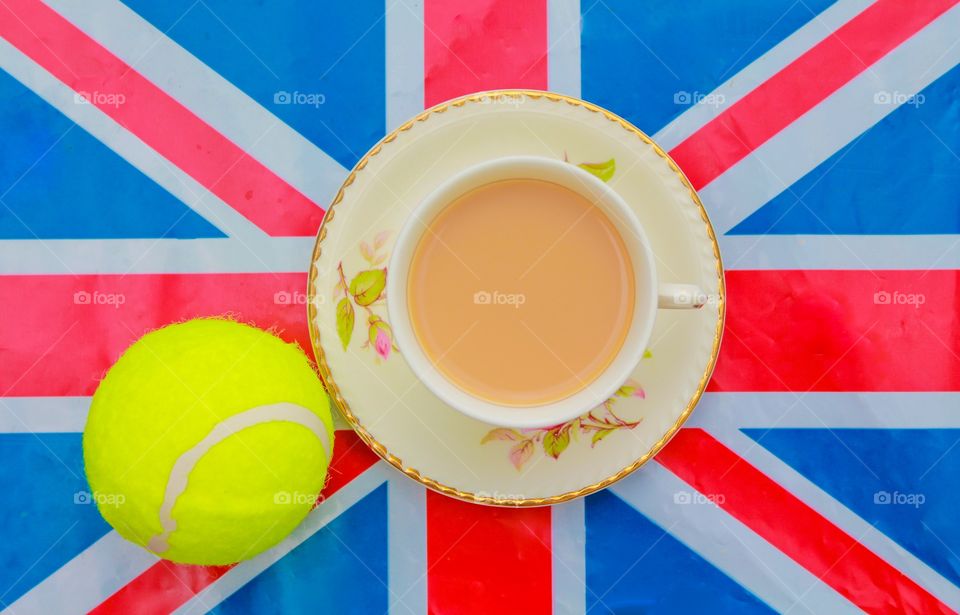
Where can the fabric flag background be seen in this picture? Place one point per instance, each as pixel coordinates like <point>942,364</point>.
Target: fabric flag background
<point>820,472</point>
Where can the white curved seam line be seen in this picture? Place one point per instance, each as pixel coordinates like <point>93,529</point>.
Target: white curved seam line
<point>180,474</point>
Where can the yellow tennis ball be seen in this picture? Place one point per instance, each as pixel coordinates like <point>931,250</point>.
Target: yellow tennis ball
<point>208,441</point>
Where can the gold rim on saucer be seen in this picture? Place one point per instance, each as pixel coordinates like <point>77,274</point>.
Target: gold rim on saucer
<point>398,463</point>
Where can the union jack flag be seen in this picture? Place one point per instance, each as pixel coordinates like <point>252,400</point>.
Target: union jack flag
<point>165,160</point>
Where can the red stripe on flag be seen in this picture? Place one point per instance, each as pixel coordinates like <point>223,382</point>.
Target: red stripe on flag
<point>840,331</point>
<point>802,85</point>
<point>803,534</point>
<point>471,46</point>
<point>481,558</point>
<point>60,333</point>
<point>166,586</point>
<point>158,120</point>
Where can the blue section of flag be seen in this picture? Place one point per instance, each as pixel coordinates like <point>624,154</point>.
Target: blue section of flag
<point>902,176</point>
<point>635,566</point>
<point>902,481</point>
<point>283,52</point>
<point>59,182</point>
<point>649,60</point>
<point>49,518</point>
<point>344,563</point>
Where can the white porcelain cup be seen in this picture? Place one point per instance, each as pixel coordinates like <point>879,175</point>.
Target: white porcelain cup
<point>650,293</point>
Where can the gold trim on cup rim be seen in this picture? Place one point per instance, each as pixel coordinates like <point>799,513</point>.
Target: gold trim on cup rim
<point>395,461</point>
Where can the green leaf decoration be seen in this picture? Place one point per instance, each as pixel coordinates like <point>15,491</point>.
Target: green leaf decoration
<point>625,391</point>
<point>502,433</point>
<point>600,435</point>
<point>555,442</point>
<point>345,319</point>
<point>602,170</point>
<point>367,286</point>
<point>647,354</point>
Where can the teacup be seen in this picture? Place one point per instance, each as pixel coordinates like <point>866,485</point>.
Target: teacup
<point>648,293</point>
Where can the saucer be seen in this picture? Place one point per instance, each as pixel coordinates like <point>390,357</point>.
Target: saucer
<point>415,431</point>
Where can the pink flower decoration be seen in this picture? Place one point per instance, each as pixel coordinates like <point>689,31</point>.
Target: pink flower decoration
<point>382,344</point>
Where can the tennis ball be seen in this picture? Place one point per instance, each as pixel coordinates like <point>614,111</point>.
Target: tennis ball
<point>208,441</point>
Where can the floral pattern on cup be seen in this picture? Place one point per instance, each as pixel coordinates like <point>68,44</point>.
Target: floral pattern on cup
<point>597,424</point>
<point>365,293</point>
<point>601,170</point>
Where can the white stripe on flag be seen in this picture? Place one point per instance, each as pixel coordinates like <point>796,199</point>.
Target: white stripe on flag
<point>404,59</point>
<point>127,145</point>
<point>62,415</point>
<point>81,584</point>
<point>828,127</point>
<point>244,572</point>
<point>568,543</point>
<point>207,94</point>
<point>838,514</point>
<point>135,256</point>
<point>728,544</point>
<point>43,414</point>
<point>407,553</point>
<point>914,410</point>
<point>761,69</point>
<point>563,46</point>
<point>869,252</point>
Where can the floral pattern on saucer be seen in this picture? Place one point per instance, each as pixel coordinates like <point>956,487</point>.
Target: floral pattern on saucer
<point>598,424</point>
<point>365,293</point>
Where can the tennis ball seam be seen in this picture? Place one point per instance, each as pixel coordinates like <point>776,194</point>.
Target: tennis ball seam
<point>180,473</point>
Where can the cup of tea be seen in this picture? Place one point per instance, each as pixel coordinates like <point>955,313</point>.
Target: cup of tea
<point>523,291</point>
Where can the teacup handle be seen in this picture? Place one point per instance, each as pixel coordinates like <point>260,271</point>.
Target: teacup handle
<point>680,296</point>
